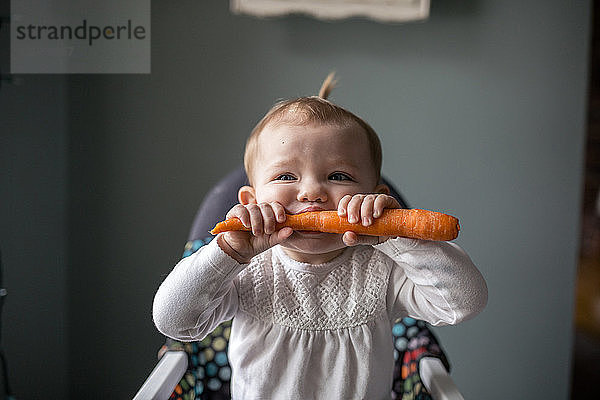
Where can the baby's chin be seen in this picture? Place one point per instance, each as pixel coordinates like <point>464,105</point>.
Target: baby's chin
<point>313,245</point>
<point>314,242</point>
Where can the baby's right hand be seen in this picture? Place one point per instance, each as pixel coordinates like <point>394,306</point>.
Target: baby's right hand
<point>262,219</point>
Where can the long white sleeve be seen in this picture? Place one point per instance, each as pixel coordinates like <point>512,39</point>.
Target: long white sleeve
<point>434,281</point>
<point>197,295</point>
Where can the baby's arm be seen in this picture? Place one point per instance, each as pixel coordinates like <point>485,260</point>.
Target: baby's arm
<point>433,281</point>
<point>197,295</point>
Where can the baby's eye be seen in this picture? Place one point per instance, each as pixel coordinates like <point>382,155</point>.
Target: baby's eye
<point>285,177</point>
<point>339,176</point>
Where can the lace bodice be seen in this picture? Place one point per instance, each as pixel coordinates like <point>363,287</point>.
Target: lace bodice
<point>347,292</point>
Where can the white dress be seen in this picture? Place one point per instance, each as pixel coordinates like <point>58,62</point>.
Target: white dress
<point>303,331</point>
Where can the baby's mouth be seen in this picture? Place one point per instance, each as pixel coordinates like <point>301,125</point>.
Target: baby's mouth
<point>311,234</point>
<point>309,209</point>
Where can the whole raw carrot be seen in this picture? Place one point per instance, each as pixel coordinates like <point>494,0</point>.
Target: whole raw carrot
<point>411,223</point>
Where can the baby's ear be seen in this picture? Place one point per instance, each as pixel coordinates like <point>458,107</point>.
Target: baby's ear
<point>247,195</point>
<point>382,188</point>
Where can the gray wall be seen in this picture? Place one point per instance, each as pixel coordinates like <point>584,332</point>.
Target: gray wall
<point>481,112</point>
<point>33,230</point>
<point>33,227</point>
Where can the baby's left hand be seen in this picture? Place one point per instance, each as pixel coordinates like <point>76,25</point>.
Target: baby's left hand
<point>364,208</point>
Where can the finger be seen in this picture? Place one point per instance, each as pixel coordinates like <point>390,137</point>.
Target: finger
<point>366,210</point>
<point>279,211</point>
<point>384,201</point>
<point>265,242</point>
<point>256,219</point>
<point>268,217</point>
<point>353,209</point>
<point>280,235</point>
<point>240,212</point>
<point>343,205</point>
<point>352,239</point>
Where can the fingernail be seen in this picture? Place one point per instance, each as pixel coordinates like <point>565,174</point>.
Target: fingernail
<point>366,221</point>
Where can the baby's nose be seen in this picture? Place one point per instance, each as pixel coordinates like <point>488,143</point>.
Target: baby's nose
<point>312,192</point>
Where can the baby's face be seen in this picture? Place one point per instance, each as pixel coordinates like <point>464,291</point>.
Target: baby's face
<point>310,168</point>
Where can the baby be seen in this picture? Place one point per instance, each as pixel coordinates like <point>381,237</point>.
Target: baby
<point>313,312</point>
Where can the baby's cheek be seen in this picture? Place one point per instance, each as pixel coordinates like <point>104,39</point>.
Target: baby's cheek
<point>282,195</point>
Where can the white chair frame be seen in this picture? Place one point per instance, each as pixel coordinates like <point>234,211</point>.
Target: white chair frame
<point>173,364</point>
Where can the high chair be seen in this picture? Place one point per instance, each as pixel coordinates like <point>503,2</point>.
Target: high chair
<point>200,370</point>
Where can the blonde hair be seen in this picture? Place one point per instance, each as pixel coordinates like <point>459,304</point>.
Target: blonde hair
<point>312,110</point>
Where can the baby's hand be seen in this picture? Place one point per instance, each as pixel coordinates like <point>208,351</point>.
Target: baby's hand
<point>262,219</point>
<point>364,208</point>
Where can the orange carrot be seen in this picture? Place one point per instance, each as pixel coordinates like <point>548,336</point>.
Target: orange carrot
<point>411,223</point>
